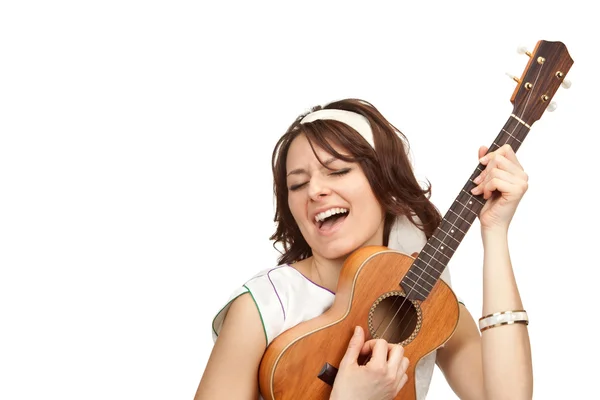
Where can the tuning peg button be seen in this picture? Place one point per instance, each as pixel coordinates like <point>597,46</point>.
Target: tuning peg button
<point>552,106</point>
<point>566,83</point>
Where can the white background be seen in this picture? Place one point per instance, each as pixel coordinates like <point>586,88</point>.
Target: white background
<point>135,182</point>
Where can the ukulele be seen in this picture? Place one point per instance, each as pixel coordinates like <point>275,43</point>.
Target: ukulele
<point>395,296</point>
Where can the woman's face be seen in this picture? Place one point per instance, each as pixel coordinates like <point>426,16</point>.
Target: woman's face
<point>335,208</point>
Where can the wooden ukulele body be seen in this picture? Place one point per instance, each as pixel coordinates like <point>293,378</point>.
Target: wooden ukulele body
<point>367,295</point>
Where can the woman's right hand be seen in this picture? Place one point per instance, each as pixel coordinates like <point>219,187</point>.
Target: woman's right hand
<point>379,379</point>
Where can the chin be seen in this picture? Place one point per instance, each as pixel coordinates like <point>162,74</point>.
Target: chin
<point>338,250</point>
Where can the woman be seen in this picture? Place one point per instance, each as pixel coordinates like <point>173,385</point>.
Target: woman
<point>342,180</point>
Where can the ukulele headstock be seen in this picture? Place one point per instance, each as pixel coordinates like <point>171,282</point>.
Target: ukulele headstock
<point>545,72</point>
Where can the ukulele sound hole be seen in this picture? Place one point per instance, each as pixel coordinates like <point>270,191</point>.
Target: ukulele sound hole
<point>395,318</point>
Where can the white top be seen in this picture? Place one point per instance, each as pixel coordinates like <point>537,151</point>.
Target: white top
<point>284,298</point>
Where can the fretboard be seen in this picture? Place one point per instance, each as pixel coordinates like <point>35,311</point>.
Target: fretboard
<point>441,246</point>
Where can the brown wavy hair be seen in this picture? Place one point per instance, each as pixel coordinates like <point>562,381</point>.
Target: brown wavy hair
<point>388,171</point>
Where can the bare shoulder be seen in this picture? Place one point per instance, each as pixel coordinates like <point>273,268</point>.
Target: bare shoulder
<point>232,369</point>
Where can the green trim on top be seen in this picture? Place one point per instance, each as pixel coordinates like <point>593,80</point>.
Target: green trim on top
<point>224,307</point>
<point>261,318</point>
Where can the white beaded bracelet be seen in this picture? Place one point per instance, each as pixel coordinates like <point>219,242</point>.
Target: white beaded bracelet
<point>503,318</point>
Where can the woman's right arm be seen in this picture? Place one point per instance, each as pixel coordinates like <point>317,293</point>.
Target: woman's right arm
<point>232,369</point>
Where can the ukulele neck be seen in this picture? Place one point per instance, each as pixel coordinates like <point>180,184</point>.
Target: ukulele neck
<point>439,249</point>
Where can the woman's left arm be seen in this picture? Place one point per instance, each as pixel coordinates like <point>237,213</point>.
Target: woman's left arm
<point>495,364</point>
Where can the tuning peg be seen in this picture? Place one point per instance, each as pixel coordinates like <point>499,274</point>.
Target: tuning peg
<point>566,83</point>
<point>552,106</point>
<point>514,78</point>
<point>523,50</point>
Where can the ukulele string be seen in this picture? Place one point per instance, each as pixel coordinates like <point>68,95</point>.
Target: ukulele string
<point>391,320</point>
<point>399,308</point>
<point>508,141</point>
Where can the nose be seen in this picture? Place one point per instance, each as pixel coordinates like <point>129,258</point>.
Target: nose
<point>317,189</point>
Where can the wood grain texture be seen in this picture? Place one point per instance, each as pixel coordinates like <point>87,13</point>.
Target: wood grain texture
<point>293,360</point>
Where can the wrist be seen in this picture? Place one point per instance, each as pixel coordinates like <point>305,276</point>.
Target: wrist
<point>494,241</point>
<point>495,233</point>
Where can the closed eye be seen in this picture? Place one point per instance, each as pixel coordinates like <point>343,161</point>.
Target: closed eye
<point>341,172</point>
<point>297,186</point>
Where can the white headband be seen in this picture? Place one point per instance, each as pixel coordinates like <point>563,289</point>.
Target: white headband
<point>354,120</point>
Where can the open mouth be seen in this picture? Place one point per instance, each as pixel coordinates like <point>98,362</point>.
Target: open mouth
<point>329,219</point>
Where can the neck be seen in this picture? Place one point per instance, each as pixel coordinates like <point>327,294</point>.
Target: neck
<point>326,272</point>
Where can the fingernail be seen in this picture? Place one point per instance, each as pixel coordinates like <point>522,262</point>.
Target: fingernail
<point>356,330</point>
<point>483,159</point>
<point>477,180</point>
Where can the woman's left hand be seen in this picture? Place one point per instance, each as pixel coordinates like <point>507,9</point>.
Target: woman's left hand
<point>503,183</point>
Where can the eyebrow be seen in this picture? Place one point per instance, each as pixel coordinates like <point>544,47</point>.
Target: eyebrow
<point>299,171</point>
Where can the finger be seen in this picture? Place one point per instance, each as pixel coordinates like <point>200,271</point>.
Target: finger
<point>506,151</point>
<point>482,151</point>
<point>395,356</point>
<point>354,347</point>
<point>506,164</point>
<point>402,382</point>
<point>379,353</point>
<point>503,163</point>
<point>369,345</point>
<point>508,190</point>
<point>367,350</point>
<point>402,376</point>
<point>497,173</point>
<point>404,365</point>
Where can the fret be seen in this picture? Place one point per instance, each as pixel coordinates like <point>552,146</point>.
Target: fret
<point>439,249</point>
<point>423,270</point>
<point>494,146</point>
<point>432,262</point>
<point>430,267</point>
<point>469,197</point>
<point>458,218</point>
<point>412,292</point>
<point>450,235</point>
<point>466,207</point>
<point>436,239</point>
<point>418,280</point>
<point>474,197</point>
<point>461,217</point>
<point>441,246</point>
<point>442,249</point>
<point>454,231</point>
<point>420,275</point>
<point>510,134</point>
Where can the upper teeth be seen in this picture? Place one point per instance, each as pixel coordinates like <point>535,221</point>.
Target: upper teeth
<point>325,214</point>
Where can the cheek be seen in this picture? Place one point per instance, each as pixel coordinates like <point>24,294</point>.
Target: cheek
<point>367,201</point>
<point>296,207</point>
